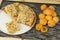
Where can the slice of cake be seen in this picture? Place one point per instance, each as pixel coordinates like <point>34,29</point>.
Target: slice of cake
<point>12,27</point>
<point>26,15</point>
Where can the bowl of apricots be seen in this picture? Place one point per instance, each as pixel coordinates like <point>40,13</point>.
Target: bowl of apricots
<point>48,17</point>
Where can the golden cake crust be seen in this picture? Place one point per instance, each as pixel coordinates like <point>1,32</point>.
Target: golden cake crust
<point>20,13</point>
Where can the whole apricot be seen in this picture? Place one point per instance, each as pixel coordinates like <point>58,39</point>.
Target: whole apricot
<point>56,19</point>
<point>38,26</point>
<point>48,11</point>
<point>49,17</point>
<point>44,29</point>
<point>41,16</point>
<point>43,21</point>
<point>52,8</point>
<point>43,7</point>
<point>54,14</point>
<point>51,23</point>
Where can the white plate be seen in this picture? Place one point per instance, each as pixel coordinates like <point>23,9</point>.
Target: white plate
<point>5,18</point>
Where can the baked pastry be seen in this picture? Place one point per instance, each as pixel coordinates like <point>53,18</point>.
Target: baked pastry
<point>12,27</point>
<point>11,9</point>
<point>26,15</point>
<point>20,13</point>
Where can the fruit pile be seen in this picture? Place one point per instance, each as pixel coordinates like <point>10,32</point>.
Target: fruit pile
<point>47,17</point>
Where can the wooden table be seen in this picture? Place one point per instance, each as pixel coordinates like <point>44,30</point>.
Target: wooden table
<point>40,1</point>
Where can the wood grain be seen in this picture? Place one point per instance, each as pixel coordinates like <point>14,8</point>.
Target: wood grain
<point>9,38</point>
<point>0,2</point>
<point>40,1</point>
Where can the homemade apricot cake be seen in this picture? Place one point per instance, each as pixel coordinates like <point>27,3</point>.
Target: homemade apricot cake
<point>12,27</point>
<point>19,13</point>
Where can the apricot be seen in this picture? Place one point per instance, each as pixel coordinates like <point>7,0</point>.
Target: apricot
<point>44,29</point>
<point>52,8</point>
<point>56,19</point>
<point>43,21</point>
<point>54,14</point>
<point>48,11</point>
<point>41,16</point>
<point>49,17</point>
<point>38,26</point>
<point>51,23</point>
<point>43,7</point>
